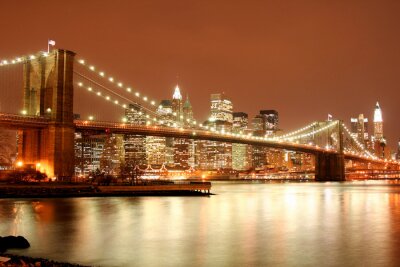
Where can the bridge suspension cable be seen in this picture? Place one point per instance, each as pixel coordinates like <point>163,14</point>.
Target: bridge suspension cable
<point>112,91</point>
<point>359,145</point>
<point>303,135</point>
<point>128,90</point>
<point>288,135</point>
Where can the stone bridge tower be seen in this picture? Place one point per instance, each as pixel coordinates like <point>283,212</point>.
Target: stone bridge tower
<point>48,92</point>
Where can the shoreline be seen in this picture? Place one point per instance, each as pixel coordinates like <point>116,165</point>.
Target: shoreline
<point>18,260</point>
<point>83,190</point>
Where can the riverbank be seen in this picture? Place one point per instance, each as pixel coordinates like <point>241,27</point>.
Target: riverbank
<point>15,260</point>
<point>54,190</point>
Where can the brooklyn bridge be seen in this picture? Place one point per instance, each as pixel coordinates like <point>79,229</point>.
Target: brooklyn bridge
<point>52,83</point>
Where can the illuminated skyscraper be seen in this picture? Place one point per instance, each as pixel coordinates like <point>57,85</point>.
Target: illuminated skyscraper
<point>378,123</point>
<point>241,153</point>
<point>165,112</point>
<point>113,154</point>
<point>177,105</point>
<point>221,108</point>
<point>88,151</point>
<point>155,150</point>
<point>359,128</point>
<point>135,145</point>
<point>270,119</point>
<point>217,155</point>
<point>187,112</point>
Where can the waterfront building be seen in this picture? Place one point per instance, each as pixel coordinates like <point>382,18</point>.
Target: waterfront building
<point>112,158</point>
<point>88,152</point>
<point>8,151</point>
<point>135,145</point>
<point>258,152</point>
<point>155,150</point>
<point>217,155</point>
<point>241,153</point>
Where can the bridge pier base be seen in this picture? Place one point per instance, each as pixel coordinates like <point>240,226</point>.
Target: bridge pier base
<point>329,167</point>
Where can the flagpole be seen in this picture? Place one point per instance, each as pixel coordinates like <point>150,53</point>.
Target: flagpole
<point>48,46</point>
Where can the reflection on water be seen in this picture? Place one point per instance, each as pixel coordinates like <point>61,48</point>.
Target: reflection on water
<point>275,224</point>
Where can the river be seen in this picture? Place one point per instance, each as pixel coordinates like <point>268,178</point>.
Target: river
<point>244,224</point>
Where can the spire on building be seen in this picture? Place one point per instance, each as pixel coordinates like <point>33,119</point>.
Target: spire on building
<point>177,93</point>
<point>378,113</point>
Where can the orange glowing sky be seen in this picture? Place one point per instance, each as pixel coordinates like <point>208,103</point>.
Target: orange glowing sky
<point>304,58</point>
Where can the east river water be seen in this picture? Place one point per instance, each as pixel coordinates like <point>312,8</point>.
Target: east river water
<point>244,224</point>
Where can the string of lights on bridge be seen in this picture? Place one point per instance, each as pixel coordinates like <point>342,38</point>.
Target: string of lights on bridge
<point>21,59</point>
<point>300,136</point>
<point>119,84</point>
<point>150,119</point>
<point>128,89</point>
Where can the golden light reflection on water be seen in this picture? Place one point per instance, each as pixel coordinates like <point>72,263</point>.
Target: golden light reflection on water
<point>289,224</point>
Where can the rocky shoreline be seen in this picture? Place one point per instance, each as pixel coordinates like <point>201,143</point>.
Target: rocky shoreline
<point>19,242</point>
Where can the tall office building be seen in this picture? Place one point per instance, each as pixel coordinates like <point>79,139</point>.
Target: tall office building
<point>359,128</point>
<point>88,152</point>
<point>177,105</point>
<point>221,108</point>
<point>217,155</point>
<point>135,145</point>
<point>187,112</point>
<point>271,119</point>
<point>155,150</point>
<point>165,112</point>
<point>112,157</point>
<point>378,123</point>
<point>258,152</point>
<point>241,153</point>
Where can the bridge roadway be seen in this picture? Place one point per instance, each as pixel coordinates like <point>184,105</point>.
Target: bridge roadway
<point>14,121</point>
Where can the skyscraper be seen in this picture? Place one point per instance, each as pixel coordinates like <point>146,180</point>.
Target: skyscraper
<point>359,128</point>
<point>221,108</point>
<point>112,158</point>
<point>378,123</point>
<point>270,119</point>
<point>135,145</point>
<point>241,153</point>
<point>165,112</point>
<point>177,105</point>
<point>88,151</point>
<point>217,155</point>
<point>187,112</point>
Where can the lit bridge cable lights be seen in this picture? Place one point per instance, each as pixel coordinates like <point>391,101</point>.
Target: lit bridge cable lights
<point>120,84</point>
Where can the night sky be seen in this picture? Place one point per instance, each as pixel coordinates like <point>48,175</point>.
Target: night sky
<point>303,58</point>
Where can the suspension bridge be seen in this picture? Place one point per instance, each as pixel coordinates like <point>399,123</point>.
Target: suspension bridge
<point>54,86</point>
